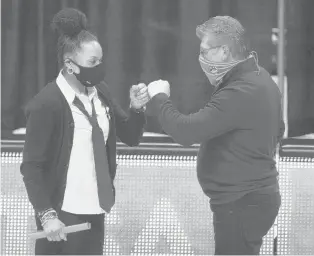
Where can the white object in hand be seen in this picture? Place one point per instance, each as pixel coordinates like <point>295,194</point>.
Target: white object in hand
<point>160,86</point>
<point>68,229</point>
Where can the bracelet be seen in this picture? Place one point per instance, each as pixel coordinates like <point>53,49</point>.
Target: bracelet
<point>49,216</point>
<point>46,215</point>
<point>140,110</point>
<point>42,213</point>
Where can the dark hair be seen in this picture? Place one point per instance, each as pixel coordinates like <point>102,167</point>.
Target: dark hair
<point>71,26</point>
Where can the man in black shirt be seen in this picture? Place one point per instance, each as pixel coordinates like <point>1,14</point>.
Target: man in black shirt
<point>238,130</point>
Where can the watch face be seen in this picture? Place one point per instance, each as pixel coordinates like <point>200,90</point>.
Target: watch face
<point>140,110</point>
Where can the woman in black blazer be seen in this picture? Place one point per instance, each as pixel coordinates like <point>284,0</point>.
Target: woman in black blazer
<point>69,157</point>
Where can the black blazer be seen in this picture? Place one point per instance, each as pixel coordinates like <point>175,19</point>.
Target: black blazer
<point>49,138</point>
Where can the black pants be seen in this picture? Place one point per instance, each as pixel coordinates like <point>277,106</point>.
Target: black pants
<point>241,225</point>
<point>89,242</point>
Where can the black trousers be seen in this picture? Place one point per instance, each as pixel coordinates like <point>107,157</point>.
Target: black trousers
<point>89,242</point>
<point>241,225</point>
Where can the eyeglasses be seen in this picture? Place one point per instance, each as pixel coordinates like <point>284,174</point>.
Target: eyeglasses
<point>204,51</point>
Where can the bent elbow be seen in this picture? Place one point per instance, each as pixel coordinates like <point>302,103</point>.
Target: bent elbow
<point>183,141</point>
<point>132,142</point>
<point>186,144</point>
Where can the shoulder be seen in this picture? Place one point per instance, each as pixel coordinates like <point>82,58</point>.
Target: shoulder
<point>237,94</point>
<point>239,87</point>
<point>46,100</point>
<point>104,93</point>
<point>103,88</point>
<point>258,79</point>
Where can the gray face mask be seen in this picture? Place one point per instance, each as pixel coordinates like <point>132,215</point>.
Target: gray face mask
<point>216,70</point>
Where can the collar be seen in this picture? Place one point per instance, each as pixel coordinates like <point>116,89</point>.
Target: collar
<point>68,91</point>
<point>249,65</point>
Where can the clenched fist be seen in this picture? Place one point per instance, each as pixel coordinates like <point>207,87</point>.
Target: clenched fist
<point>139,96</point>
<point>54,230</point>
<point>160,86</point>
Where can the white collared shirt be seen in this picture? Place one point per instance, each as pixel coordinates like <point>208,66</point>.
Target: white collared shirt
<point>81,192</point>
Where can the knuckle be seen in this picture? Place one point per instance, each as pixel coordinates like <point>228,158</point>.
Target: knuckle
<point>47,231</point>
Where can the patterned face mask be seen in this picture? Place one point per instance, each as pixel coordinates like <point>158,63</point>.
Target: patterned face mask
<point>226,30</point>
<point>217,70</point>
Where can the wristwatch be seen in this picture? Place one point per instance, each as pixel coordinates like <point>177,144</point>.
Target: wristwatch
<point>138,110</point>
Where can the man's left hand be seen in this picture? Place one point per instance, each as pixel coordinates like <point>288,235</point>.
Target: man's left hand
<point>139,96</point>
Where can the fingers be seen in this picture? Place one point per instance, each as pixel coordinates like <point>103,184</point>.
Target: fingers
<point>144,101</point>
<point>139,92</point>
<point>62,235</point>
<point>55,232</point>
<point>141,86</point>
<point>142,94</point>
<point>142,90</point>
<point>158,83</point>
<point>153,83</point>
<point>137,87</point>
<point>139,103</point>
<point>56,236</point>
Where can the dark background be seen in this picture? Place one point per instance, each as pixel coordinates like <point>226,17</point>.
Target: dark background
<point>145,40</point>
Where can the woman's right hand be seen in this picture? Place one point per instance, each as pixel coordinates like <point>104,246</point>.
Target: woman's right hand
<point>54,230</point>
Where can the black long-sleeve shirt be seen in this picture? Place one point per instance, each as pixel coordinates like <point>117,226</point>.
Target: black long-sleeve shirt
<point>238,130</point>
<point>49,137</point>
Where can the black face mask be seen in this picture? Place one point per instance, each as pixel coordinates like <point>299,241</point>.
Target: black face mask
<point>90,77</point>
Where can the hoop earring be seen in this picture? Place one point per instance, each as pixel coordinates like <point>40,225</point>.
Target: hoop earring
<point>70,71</point>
